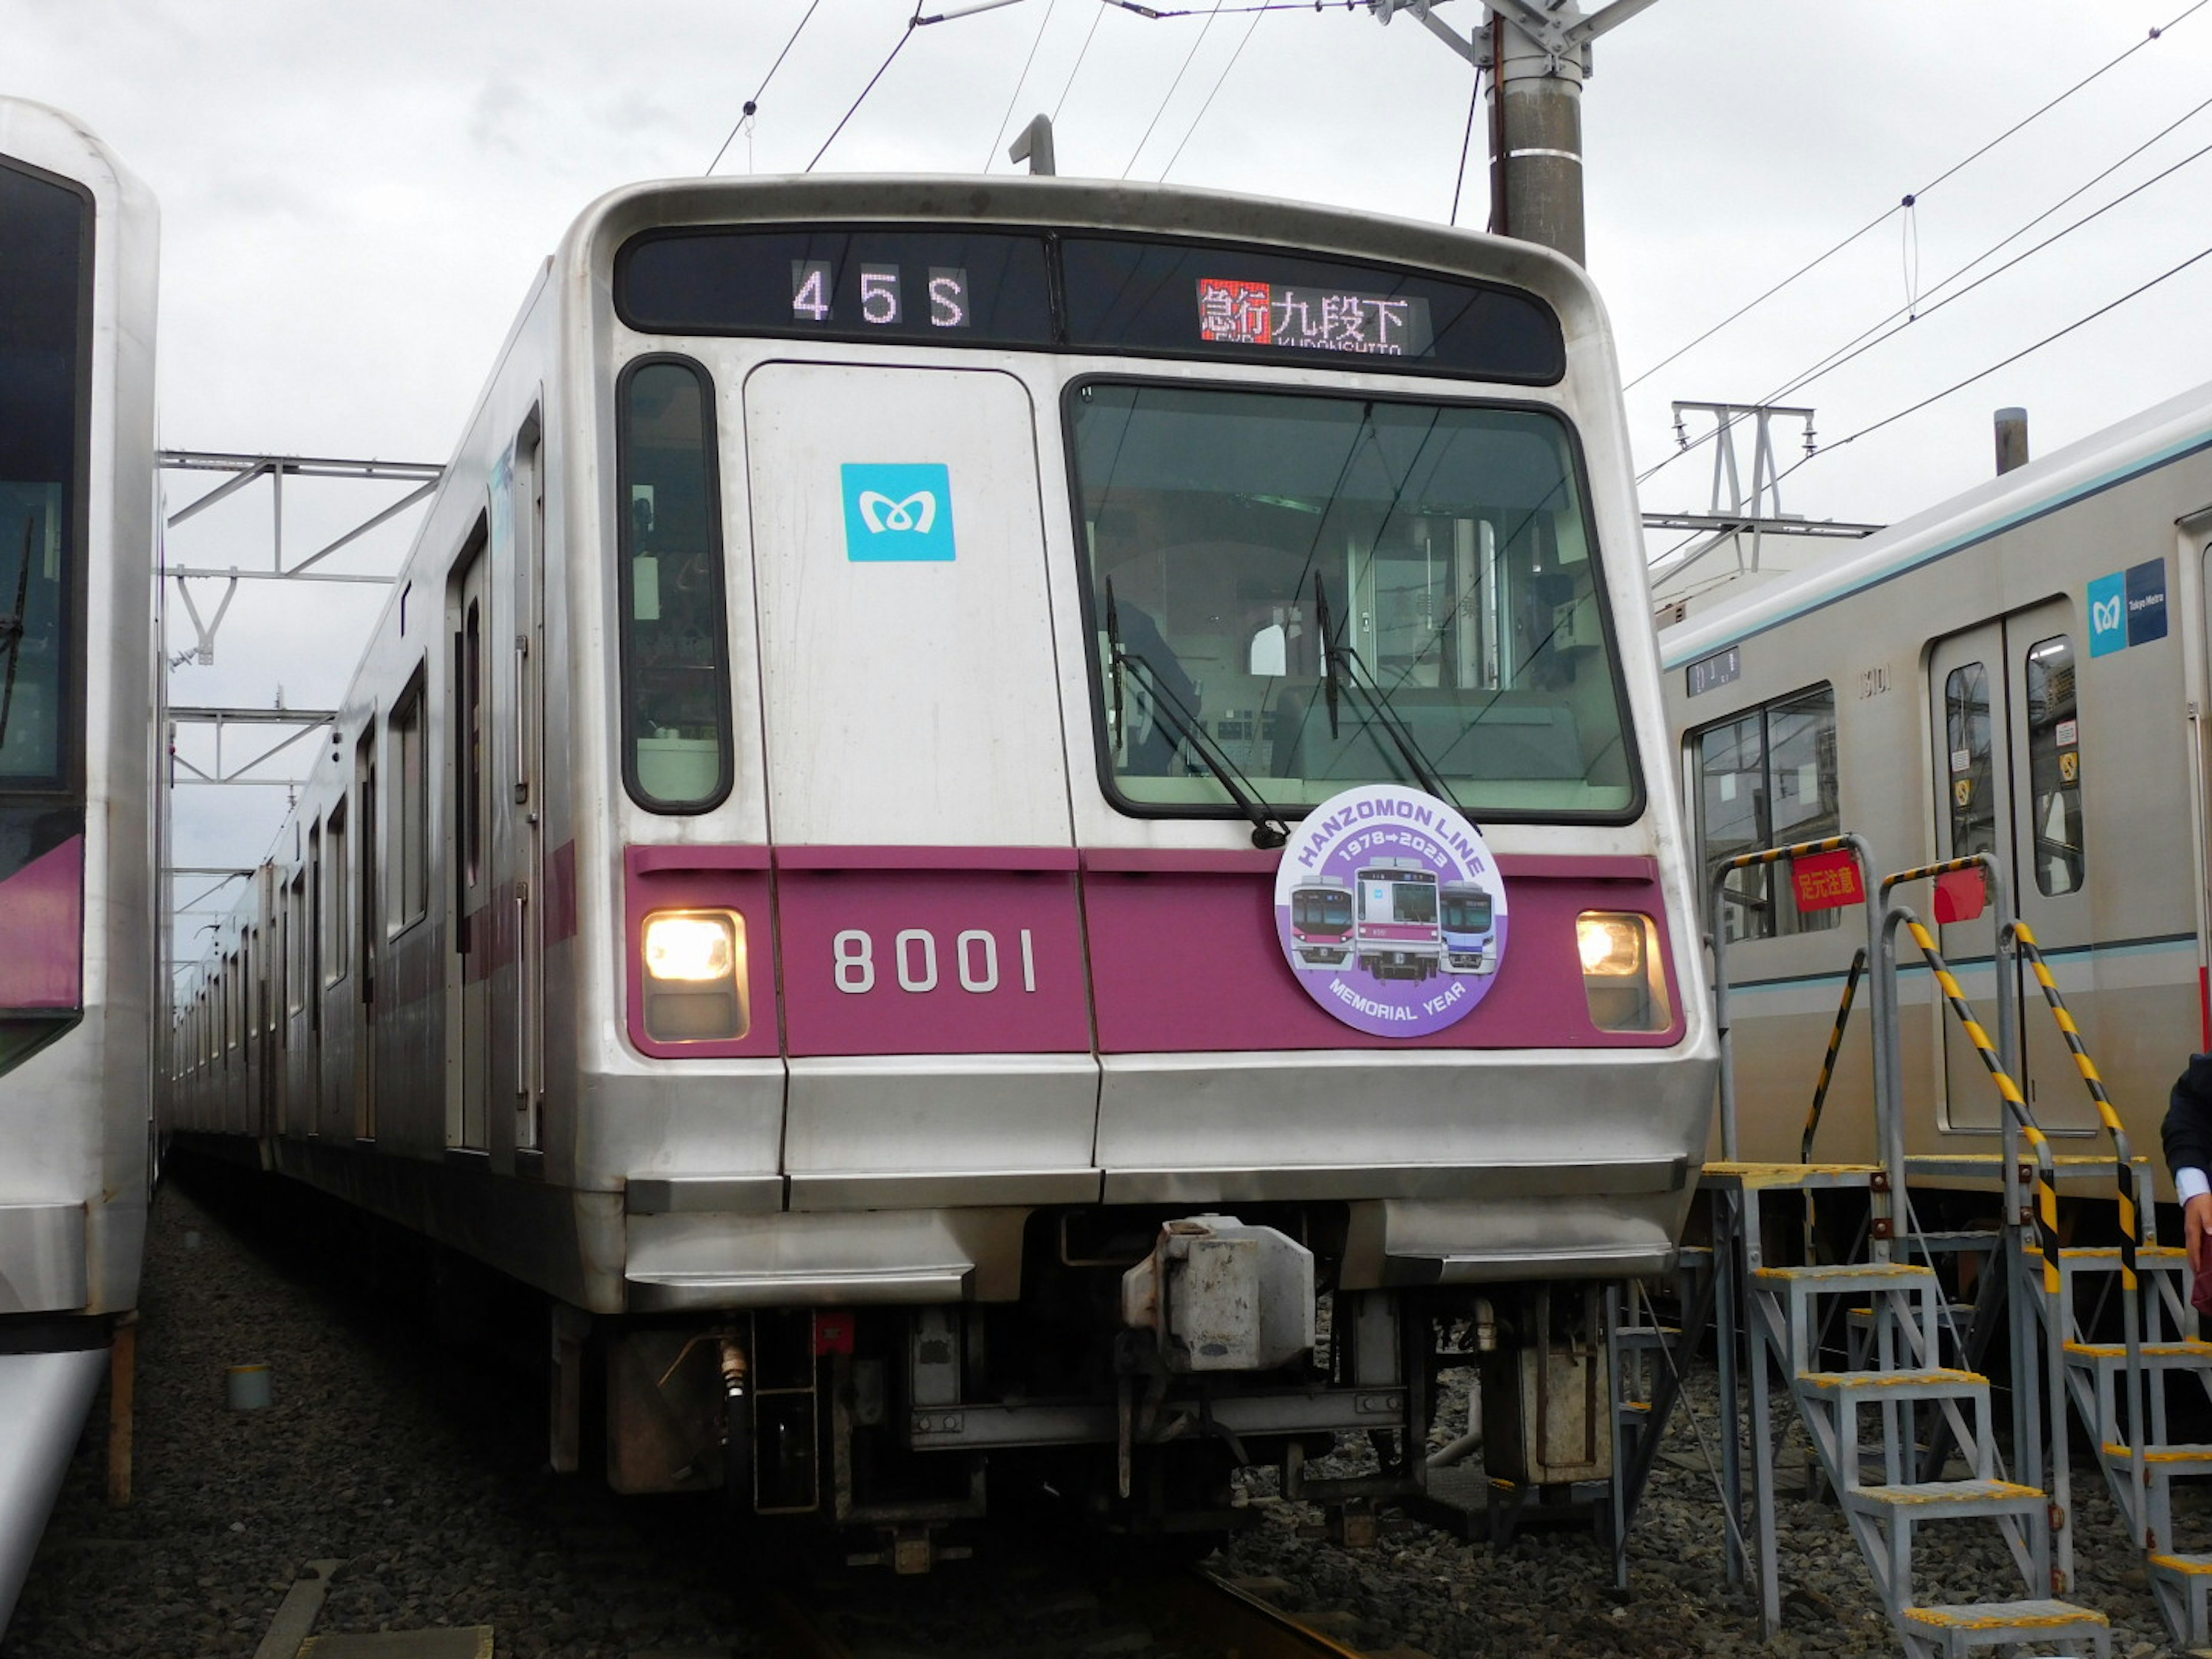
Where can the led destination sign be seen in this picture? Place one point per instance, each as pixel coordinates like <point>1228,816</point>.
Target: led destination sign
<point>1125,295</point>
<point>1311,319</point>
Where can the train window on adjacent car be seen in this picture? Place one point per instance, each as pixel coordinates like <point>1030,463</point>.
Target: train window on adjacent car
<point>44,351</point>
<point>1966,737</point>
<point>675,648</point>
<point>335,899</point>
<point>1767,778</point>
<point>2054,768</point>
<point>1308,592</point>
<point>411,827</point>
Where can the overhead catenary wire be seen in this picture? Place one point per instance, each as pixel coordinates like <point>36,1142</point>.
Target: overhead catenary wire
<point>752,104</point>
<point>1020,81</point>
<point>1250,29</point>
<point>1881,332</point>
<point>1466,144</point>
<point>1068,86</point>
<point>2197,258</point>
<point>1169,96</point>
<point>905,35</point>
<point>1948,173</point>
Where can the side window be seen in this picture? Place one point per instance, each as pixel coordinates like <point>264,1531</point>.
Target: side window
<point>675,647</point>
<point>295,934</point>
<point>1767,778</point>
<point>2054,768</point>
<point>334,899</point>
<point>411,808</point>
<point>1967,733</point>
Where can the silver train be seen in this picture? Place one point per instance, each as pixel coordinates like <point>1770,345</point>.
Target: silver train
<point>77,675</point>
<point>2021,671</point>
<point>790,882</point>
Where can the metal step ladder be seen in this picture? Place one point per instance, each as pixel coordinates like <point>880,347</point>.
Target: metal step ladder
<point>2142,1468</point>
<point>1864,1413</point>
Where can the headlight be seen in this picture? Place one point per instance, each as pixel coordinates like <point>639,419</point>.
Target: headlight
<point>694,963</point>
<point>1612,946</point>
<point>688,947</point>
<point>1622,973</point>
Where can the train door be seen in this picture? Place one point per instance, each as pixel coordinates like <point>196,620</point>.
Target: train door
<point>368,928</point>
<point>918,787</point>
<point>2008,757</point>
<point>522,504</point>
<point>469,710</point>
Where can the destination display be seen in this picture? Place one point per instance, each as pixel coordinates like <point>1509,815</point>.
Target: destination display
<point>1037,288</point>
<point>972,287</point>
<point>1235,313</point>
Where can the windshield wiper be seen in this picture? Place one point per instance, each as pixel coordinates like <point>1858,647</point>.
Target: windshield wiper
<point>1335,658</point>
<point>1269,829</point>
<point>14,625</point>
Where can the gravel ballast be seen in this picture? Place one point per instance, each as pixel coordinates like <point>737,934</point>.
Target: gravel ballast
<point>419,1468</point>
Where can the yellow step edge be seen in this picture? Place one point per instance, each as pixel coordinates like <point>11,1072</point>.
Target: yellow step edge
<point>2003,1615</point>
<point>2196,1566</point>
<point>2192,1348</point>
<point>2190,1454</point>
<point>1944,1491</point>
<point>1825,1380</point>
<point>1847,1270</point>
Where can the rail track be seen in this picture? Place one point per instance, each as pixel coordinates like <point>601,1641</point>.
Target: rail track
<point>1191,1613</point>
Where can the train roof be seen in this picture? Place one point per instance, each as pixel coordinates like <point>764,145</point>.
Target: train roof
<point>2142,443</point>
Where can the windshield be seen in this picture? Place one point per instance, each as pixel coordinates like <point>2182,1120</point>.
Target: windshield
<point>1327,909</point>
<point>1403,898</point>
<point>1445,550</point>
<point>1467,913</point>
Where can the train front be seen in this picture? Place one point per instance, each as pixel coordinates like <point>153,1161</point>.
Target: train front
<point>77,253</point>
<point>1147,901</point>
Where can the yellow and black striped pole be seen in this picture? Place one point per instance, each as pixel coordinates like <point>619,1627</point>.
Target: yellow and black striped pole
<point>2122,1177</point>
<point>1828,1064</point>
<point>2046,1188</point>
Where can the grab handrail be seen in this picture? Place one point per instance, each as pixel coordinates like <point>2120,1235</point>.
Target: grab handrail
<point>1821,1089</point>
<point>2131,1238</point>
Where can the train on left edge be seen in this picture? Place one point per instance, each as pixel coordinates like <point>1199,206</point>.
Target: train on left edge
<point>78,673</point>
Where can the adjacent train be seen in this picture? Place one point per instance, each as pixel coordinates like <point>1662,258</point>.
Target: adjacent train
<point>2019,672</point>
<point>77,676</point>
<point>799,880</point>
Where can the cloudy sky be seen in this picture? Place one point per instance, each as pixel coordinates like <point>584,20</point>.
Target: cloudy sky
<point>355,197</point>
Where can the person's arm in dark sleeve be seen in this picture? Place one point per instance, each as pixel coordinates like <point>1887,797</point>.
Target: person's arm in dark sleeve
<point>2187,1137</point>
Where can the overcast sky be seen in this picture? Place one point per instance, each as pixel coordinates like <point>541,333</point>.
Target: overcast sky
<point>355,197</point>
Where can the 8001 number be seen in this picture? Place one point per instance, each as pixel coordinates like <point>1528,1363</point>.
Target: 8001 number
<point>973,955</point>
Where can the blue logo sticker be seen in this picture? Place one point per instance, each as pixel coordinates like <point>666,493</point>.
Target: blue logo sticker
<point>2108,615</point>
<point>898,512</point>
<point>2147,602</point>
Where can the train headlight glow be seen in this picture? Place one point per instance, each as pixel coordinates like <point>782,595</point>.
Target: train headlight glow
<point>1612,946</point>
<point>694,980</point>
<point>1622,973</point>
<point>685,946</point>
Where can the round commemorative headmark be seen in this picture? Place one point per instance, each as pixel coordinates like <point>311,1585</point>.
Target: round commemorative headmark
<point>1390,910</point>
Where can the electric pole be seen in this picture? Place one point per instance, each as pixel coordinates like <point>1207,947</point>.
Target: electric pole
<point>1537,53</point>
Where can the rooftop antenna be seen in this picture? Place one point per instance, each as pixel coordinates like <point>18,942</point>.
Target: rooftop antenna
<point>1033,144</point>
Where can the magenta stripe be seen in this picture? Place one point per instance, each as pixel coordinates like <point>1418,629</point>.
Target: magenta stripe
<point>1210,860</point>
<point>1570,867</point>
<point>42,925</point>
<point>925,858</point>
<point>644,860</point>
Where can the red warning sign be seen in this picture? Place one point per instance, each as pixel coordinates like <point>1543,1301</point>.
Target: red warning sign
<point>1827,881</point>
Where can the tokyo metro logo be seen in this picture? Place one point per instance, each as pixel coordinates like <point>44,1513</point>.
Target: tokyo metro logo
<point>898,514</point>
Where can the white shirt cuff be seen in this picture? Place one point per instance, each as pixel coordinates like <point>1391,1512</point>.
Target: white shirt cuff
<point>2190,1184</point>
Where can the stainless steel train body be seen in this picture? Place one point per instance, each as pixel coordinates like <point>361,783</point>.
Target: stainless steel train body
<point>78,238</point>
<point>791,845</point>
<point>2019,671</point>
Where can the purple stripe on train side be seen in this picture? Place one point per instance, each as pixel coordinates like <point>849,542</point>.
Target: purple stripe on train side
<point>42,930</point>
<point>1187,960</point>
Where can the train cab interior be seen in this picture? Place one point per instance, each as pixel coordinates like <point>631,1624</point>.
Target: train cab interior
<point>1324,590</point>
